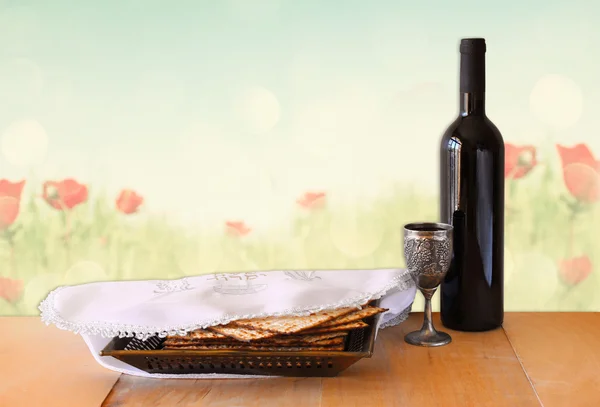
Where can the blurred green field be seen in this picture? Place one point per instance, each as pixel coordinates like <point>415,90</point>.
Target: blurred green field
<point>107,245</point>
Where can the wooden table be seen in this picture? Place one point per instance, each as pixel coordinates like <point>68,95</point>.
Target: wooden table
<point>549,359</point>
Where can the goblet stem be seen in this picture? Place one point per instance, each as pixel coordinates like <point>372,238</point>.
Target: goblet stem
<point>427,328</point>
<point>428,335</point>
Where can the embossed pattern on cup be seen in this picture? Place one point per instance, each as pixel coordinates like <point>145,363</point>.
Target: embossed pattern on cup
<point>428,256</point>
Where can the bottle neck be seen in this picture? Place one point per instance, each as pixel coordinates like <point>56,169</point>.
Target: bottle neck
<point>472,83</point>
<point>472,104</point>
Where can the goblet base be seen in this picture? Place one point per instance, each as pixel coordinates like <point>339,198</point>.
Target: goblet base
<point>424,338</point>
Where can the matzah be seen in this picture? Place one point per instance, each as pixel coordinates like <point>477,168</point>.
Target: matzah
<point>241,333</point>
<point>198,334</point>
<point>292,324</point>
<point>354,316</point>
<point>204,334</point>
<point>303,338</point>
<point>323,330</point>
<point>320,337</point>
<point>322,342</point>
<point>170,341</point>
<point>284,342</point>
<point>259,348</point>
<point>337,328</point>
<point>291,339</point>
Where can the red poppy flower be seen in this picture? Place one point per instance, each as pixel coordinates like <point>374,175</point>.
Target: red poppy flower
<point>10,201</point>
<point>518,160</point>
<point>573,271</point>
<point>581,172</point>
<point>237,228</point>
<point>312,200</point>
<point>129,201</point>
<point>65,194</point>
<point>10,289</point>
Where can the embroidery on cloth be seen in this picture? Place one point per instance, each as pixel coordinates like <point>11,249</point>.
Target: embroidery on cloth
<point>169,286</point>
<point>302,275</point>
<point>238,283</point>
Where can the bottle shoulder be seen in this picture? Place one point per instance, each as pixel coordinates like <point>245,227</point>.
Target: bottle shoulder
<point>475,131</point>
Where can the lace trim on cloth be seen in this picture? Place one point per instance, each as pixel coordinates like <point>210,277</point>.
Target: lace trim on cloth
<point>398,319</point>
<point>49,315</point>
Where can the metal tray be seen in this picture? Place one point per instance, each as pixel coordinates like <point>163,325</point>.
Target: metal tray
<point>150,357</point>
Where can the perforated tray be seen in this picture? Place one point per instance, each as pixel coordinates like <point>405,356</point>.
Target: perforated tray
<point>150,357</point>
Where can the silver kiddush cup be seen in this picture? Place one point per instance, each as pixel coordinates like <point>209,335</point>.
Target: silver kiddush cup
<point>428,252</point>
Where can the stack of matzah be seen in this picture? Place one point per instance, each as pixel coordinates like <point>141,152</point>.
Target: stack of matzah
<point>324,330</point>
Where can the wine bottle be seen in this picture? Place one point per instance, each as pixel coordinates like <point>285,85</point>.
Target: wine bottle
<point>472,200</point>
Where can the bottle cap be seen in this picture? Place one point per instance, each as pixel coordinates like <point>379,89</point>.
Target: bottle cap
<point>472,46</point>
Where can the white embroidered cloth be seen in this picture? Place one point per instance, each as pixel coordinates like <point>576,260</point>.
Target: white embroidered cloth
<point>100,311</point>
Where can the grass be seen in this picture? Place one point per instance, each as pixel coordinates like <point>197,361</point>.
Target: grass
<point>106,245</point>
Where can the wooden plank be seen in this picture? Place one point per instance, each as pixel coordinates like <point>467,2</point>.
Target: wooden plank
<point>44,366</point>
<point>561,354</point>
<point>475,370</point>
<point>268,392</point>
